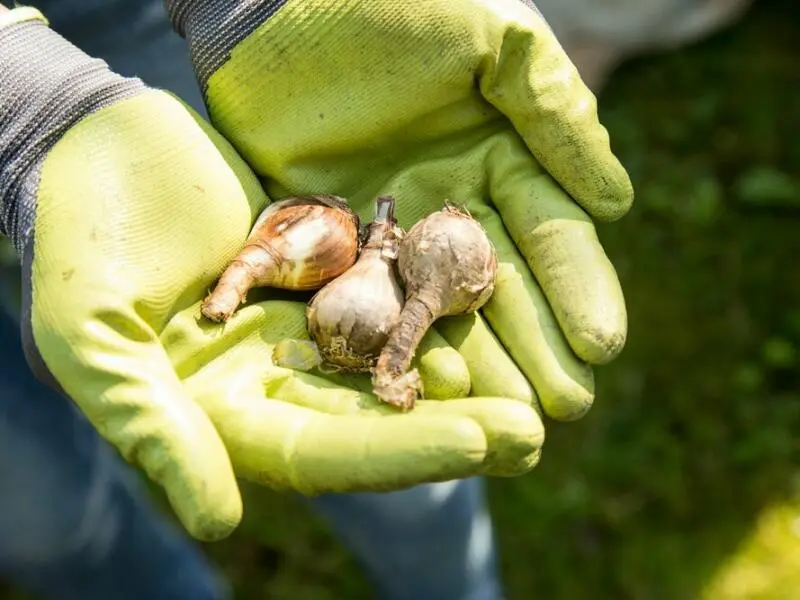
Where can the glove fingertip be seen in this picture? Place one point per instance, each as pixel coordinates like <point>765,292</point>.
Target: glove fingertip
<point>514,431</point>
<point>569,406</point>
<point>195,472</point>
<point>612,199</point>
<point>599,347</point>
<point>515,469</point>
<point>217,524</point>
<point>443,370</point>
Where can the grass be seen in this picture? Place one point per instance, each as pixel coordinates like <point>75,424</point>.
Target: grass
<point>682,482</point>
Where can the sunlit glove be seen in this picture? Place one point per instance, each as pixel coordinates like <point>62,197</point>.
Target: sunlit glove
<point>124,207</point>
<point>432,100</point>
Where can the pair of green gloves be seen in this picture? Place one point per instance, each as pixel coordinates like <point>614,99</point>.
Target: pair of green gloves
<point>138,206</point>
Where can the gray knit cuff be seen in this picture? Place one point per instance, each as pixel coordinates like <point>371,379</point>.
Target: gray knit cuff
<point>213,27</point>
<point>47,85</point>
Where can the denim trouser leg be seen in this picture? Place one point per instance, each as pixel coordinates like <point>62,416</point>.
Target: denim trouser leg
<point>432,542</point>
<point>75,523</point>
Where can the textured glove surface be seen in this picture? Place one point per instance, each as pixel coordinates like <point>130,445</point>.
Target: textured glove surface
<point>125,207</point>
<point>473,101</point>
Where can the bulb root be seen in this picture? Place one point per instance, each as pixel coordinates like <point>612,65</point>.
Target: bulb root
<point>392,382</point>
<point>235,282</point>
<point>339,356</point>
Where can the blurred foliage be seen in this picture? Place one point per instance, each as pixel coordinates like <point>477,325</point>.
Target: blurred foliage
<point>682,482</point>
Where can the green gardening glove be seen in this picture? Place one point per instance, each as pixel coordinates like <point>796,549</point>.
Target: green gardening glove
<point>124,208</point>
<point>471,101</point>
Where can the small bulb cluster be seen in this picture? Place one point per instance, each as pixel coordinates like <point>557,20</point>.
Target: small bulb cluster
<point>378,290</point>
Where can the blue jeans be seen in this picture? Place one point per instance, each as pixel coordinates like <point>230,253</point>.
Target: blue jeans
<point>75,521</point>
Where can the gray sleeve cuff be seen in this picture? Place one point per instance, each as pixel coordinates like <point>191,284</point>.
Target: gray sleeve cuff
<point>46,86</point>
<point>213,27</point>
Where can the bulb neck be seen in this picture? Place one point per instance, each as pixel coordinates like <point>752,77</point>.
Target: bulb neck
<point>382,233</point>
<point>382,241</point>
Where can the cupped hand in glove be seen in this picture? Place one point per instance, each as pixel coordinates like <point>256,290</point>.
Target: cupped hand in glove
<point>125,207</point>
<point>471,101</point>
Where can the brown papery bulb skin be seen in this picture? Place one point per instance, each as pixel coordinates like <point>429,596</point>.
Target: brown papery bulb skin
<point>351,317</point>
<point>298,243</point>
<point>449,267</point>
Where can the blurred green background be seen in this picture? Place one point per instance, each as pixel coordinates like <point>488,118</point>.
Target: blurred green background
<point>683,480</point>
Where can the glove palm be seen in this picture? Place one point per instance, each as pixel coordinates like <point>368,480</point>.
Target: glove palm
<point>468,101</point>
